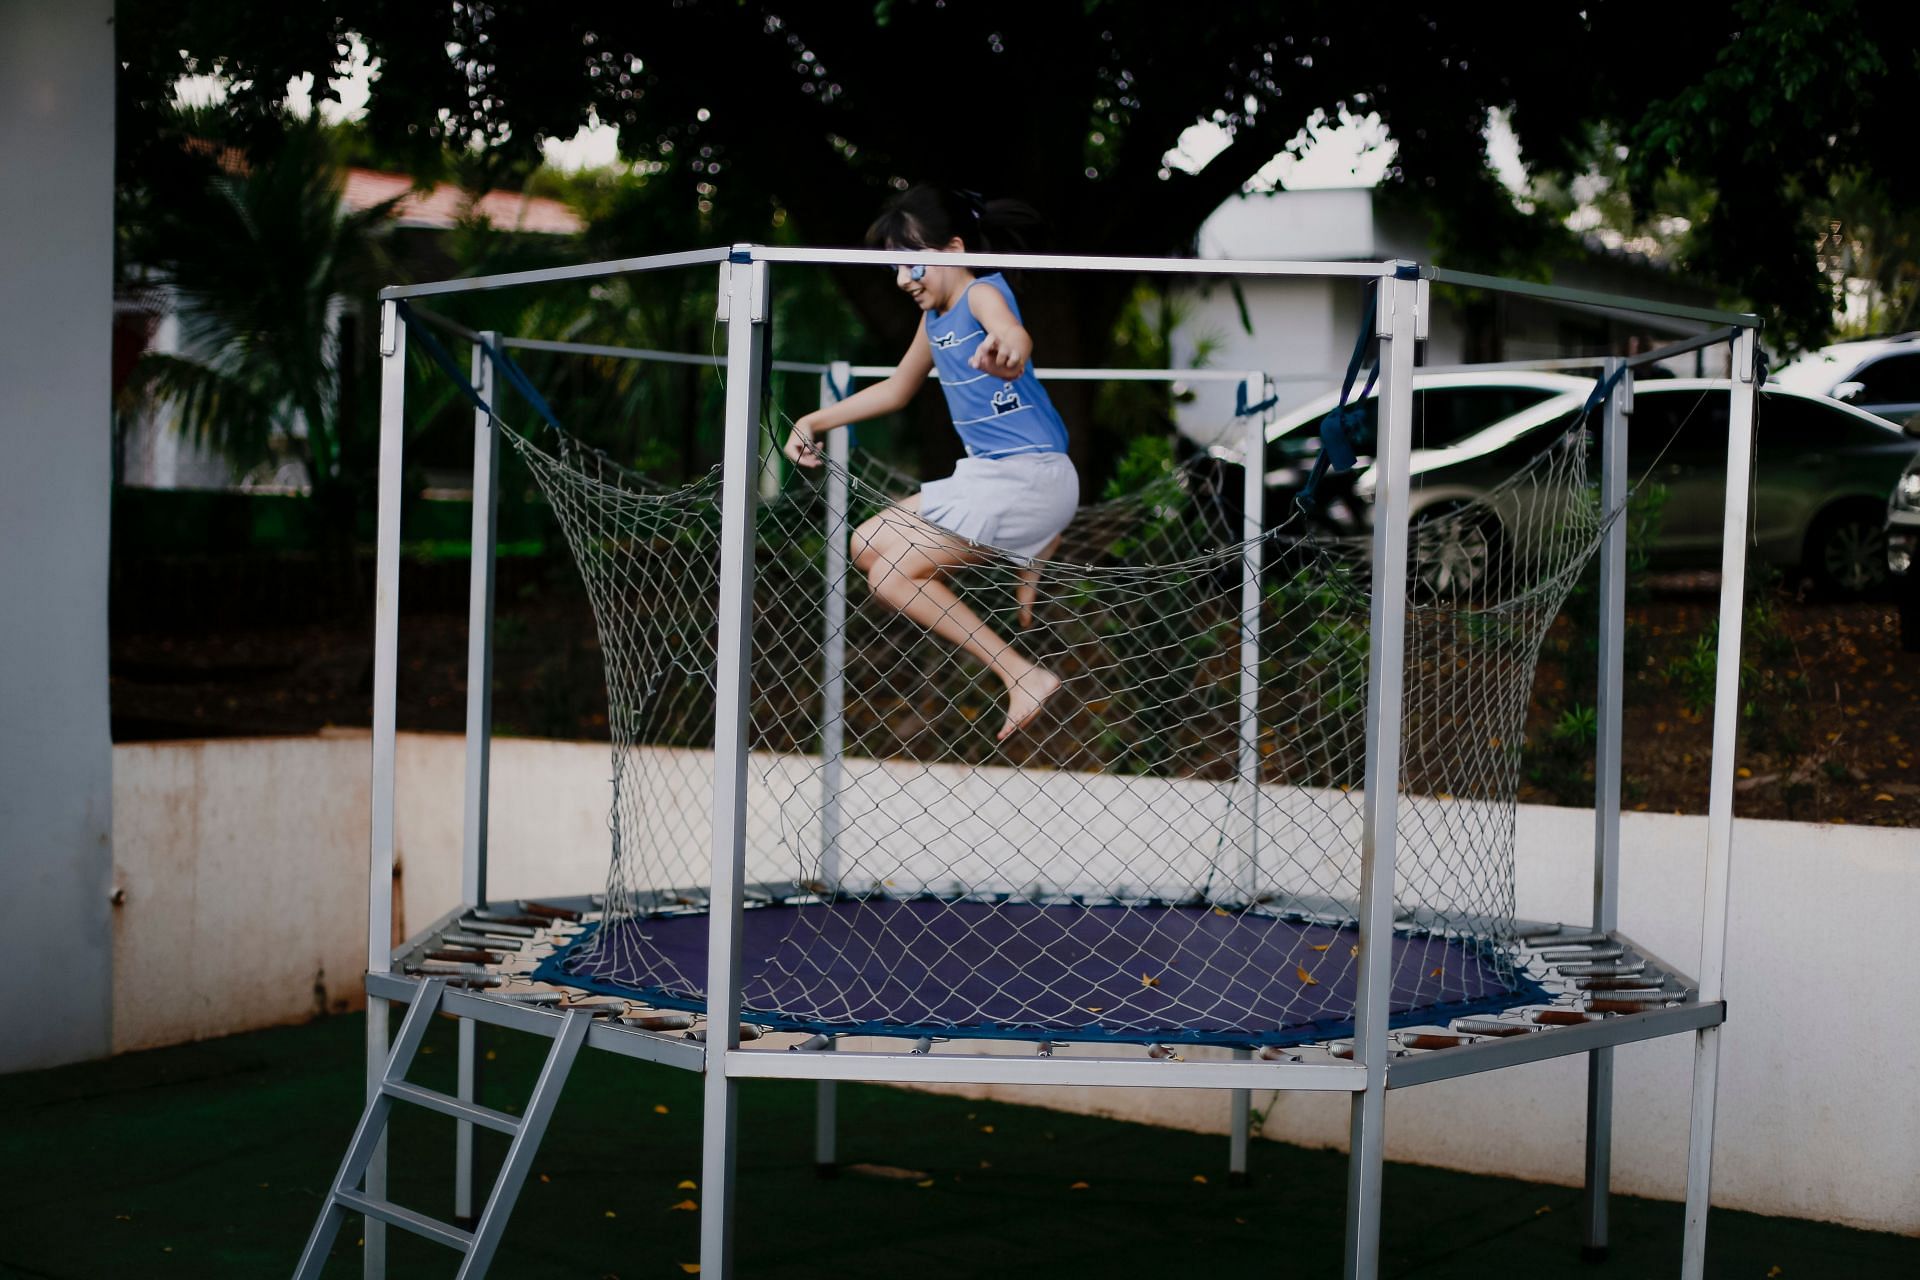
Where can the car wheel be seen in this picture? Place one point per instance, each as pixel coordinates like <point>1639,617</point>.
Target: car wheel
<point>1847,551</point>
<point>1454,549</point>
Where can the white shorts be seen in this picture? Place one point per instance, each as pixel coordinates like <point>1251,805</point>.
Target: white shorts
<point>1017,504</point>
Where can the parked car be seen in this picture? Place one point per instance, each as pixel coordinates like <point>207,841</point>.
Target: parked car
<point>1822,470</point>
<point>1903,549</point>
<point>1880,375</point>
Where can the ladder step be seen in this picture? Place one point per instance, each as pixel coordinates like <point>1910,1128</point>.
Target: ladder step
<point>406,1219</point>
<point>499,1121</point>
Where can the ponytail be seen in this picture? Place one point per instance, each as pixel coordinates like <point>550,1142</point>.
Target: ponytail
<point>926,216</point>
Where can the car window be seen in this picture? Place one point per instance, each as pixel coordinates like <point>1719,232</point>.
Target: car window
<point>1685,426</point>
<point>1792,423</point>
<point>1441,416</point>
<point>1890,380</point>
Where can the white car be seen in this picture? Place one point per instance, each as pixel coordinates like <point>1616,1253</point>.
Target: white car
<point>1880,375</point>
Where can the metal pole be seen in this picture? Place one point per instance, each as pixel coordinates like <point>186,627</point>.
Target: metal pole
<point>834,385</point>
<point>1239,1121</point>
<point>483,542</point>
<point>1726,705</point>
<point>1253,492</point>
<point>1606,786</point>
<point>386,667</point>
<point>745,301</point>
<point>1399,325</point>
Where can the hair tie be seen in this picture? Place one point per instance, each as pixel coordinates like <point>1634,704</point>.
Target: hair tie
<point>975,202</point>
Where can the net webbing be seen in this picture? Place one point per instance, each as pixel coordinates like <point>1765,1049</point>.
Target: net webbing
<point>1144,860</point>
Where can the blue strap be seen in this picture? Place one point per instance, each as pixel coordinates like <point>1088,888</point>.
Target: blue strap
<point>1344,428</point>
<point>1242,409</point>
<point>515,376</point>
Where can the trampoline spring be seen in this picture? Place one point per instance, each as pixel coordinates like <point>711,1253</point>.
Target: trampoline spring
<point>474,922</point>
<point>649,1020</point>
<point>457,939</point>
<point>1613,1004</point>
<point>548,911</point>
<point>1558,937</point>
<point>1046,1048</point>
<point>1161,1052</point>
<point>1626,982</point>
<point>747,1032</point>
<point>535,997</point>
<point>475,982</point>
<point>1564,1017</point>
<point>1492,1027</point>
<point>924,1045</point>
<point>812,1044</point>
<point>464,956</point>
<point>1603,968</point>
<point>1433,1040</point>
<point>1610,952</point>
<point>1274,1053</point>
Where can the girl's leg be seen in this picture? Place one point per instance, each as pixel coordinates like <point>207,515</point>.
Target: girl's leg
<point>904,557</point>
<point>1028,579</point>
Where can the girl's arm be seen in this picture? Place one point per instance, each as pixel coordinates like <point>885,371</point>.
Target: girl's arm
<point>1003,353</point>
<point>889,395</point>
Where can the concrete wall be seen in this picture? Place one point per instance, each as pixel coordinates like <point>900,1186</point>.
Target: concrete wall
<point>56,320</point>
<point>245,865</point>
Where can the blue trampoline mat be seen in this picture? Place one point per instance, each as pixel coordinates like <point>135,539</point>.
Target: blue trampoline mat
<point>1063,971</point>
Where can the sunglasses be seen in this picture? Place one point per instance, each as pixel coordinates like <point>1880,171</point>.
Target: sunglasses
<point>918,271</point>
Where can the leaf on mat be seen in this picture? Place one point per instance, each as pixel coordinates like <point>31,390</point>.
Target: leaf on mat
<point>611,1214</point>
<point>924,1182</point>
<point>659,1108</point>
<point>1222,911</point>
<point>986,1128</point>
<point>1322,947</point>
<point>1354,950</point>
<point>1436,972</point>
<point>686,1206</point>
<point>1078,1186</point>
<point>686,1184</point>
<point>1306,979</point>
<point>1200,1178</point>
<point>1094,1008</point>
<point>691,1268</point>
<point>1148,980</point>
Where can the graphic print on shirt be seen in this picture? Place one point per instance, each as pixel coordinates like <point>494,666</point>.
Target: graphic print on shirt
<point>948,341</point>
<point>996,417</point>
<point>1006,399</point>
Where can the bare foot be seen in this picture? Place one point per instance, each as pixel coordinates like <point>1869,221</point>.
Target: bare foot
<point>1025,697</point>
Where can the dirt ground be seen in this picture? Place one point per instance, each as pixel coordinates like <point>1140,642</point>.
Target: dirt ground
<point>1830,724</point>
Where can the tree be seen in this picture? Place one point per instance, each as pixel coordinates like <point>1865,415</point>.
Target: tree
<point>752,111</point>
<point>270,277</point>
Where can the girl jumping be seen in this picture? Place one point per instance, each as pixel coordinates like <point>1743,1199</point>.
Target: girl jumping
<point>1015,490</point>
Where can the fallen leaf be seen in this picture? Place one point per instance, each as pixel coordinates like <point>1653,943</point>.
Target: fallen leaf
<point>691,1268</point>
<point>924,1182</point>
<point>1078,1186</point>
<point>545,1178</point>
<point>1322,947</point>
<point>1772,1272</point>
<point>659,1108</point>
<point>686,1184</point>
<point>986,1128</point>
<point>1222,911</point>
<point>1884,796</point>
<point>1148,980</point>
<point>1306,979</point>
<point>1545,1208</point>
<point>611,1214</point>
<point>1743,772</point>
<point>685,1206</point>
<point>1094,1008</point>
<point>986,1164</point>
<point>1200,1178</point>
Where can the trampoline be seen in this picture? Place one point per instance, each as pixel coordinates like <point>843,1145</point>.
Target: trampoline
<point>1270,820</point>
<point>1065,972</point>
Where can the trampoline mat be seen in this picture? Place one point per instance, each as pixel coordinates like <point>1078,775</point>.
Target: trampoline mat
<point>1055,971</point>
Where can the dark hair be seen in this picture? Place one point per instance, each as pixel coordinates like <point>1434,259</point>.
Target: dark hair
<point>926,216</point>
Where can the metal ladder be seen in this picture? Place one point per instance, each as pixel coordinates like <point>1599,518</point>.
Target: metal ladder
<point>526,1130</point>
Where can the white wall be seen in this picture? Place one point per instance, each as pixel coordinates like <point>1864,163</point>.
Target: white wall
<point>245,863</point>
<point>56,320</point>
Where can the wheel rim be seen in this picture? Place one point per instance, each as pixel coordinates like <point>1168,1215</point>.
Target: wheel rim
<point>1452,554</point>
<point>1855,555</point>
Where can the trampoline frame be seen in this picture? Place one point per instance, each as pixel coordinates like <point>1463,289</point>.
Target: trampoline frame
<point>1374,1067</point>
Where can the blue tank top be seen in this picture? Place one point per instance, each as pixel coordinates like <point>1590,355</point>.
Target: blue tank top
<point>995,418</point>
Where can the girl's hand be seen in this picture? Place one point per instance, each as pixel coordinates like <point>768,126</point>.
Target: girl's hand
<point>1000,357</point>
<point>801,448</point>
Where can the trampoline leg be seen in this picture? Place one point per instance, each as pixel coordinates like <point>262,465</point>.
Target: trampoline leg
<point>826,1154</point>
<point>467,1090</point>
<point>1706,1082</point>
<point>373,1255</point>
<point>1237,1128</point>
<point>1366,1169</point>
<point>1593,1208</point>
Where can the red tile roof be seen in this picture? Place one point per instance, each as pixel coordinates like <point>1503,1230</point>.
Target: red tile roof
<point>445,204</point>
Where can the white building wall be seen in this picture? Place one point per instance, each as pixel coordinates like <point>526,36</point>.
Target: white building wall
<point>245,864</point>
<point>56,327</point>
